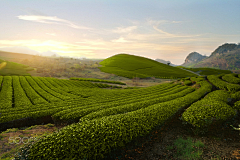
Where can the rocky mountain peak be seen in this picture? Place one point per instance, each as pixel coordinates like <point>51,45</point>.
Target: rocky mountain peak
<point>194,57</point>
<point>225,48</point>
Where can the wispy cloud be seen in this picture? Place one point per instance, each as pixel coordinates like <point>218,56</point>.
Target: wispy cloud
<point>50,20</point>
<point>169,35</point>
<point>158,22</point>
<point>124,29</point>
<point>121,40</point>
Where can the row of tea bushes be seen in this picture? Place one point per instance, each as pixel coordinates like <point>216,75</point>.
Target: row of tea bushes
<point>96,80</point>
<point>96,97</point>
<point>96,138</point>
<point>40,91</point>
<point>138,105</point>
<point>213,106</point>
<point>215,80</point>
<point>220,95</point>
<point>68,83</point>
<point>6,92</point>
<point>20,98</point>
<point>197,79</point>
<point>34,97</point>
<point>49,89</point>
<point>56,89</point>
<point>76,113</point>
<point>231,78</point>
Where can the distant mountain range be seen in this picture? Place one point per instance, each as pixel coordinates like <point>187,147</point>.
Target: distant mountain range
<point>26,50</point>
<point>225,57</point>
<point>165,62</point>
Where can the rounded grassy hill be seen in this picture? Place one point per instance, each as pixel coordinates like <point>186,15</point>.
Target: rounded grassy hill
<point>131,66</point>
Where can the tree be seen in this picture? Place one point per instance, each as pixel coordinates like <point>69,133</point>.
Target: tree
<point>168,63</point>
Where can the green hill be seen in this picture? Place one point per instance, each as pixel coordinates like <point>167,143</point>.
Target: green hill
<point>14,69</point>
<point>131,66</point>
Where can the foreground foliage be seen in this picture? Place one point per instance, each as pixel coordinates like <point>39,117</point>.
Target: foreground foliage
<point>101,120</point>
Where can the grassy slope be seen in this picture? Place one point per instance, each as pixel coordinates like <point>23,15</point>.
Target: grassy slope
<point>207,71</point>
<point>14,69</point>
<point>139,65</point>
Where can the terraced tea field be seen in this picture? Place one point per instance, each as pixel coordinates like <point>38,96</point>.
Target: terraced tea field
<point>99,123</point>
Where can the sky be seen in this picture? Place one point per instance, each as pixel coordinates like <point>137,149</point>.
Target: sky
<point>164,29</point>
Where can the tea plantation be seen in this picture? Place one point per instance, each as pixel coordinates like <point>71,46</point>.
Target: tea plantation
<point>102,120</point>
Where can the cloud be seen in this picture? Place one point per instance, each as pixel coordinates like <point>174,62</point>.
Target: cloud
<point>169,35</point>
<point>124,29</point>
<point>158,22</point>
<point>50,20</point>
<point>121,40</point>
<point>165,33</point>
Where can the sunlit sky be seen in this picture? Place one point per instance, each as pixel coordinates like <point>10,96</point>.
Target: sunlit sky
<point>164,29</point>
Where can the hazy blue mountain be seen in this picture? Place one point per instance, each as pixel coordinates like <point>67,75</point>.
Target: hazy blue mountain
<point>165,62</point>
<point>26,50</point>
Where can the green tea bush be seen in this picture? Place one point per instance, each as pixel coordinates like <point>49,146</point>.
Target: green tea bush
<point>237,105</point>
<point>231,78</point>
<point>202,113</point>
<point>220,95</point>
<point>187,82</point>
<point>236,95</point>
<point>215,80</point>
